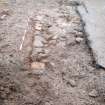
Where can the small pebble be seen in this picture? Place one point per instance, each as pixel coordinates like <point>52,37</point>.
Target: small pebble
<point>93,93</point>
<point>38,41</point>
<point>72,83</point>
<point>38,26</point>
<point>78,39</point>
<point>2,17</point>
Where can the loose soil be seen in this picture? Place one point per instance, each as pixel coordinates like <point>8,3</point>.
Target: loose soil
<point>44,55</point>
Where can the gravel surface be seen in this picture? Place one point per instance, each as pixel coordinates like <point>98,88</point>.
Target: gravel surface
<point>44,56</point>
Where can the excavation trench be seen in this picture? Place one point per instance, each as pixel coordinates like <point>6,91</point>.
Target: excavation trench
<point>27,44</point>
<point>27,48</point>
<point>56,43</point>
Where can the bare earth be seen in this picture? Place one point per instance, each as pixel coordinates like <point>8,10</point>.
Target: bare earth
<point>44,56</point>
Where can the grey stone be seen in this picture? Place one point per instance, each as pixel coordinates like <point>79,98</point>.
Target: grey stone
<point>79,39</point>
<point>39,41</point>
<point>72,82</point>
<point>93,15</point>
<point>93,93</point>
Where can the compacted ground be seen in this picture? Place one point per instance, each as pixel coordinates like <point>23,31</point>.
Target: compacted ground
<point>44,55</point>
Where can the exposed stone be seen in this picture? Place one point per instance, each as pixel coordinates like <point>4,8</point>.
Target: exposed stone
<point>47,51</point>
<point>39,18</point>
<point>93,15</point>
<point>41,57</point>
<point>1,88</point>
<point>80,34</point>
<point>49,103</point>
<point>38,50</point>
<point>2,17</point>
<point>93,93</point>
<point>55,37</point>
<point>71,42</point>
<point>48,37</point>
<point>53,42</point>
<point>72,82</point>
<point>78,39</point>
<point>4,14</point>
<point>39,41</point>
<point>38,72</point>
<point>38,26</point>
<point>37,65</point>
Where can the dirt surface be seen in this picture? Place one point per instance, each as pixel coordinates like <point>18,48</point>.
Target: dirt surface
<point>44,56</point>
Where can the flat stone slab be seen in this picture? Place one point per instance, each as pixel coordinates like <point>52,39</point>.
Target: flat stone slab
<point>93,14</point>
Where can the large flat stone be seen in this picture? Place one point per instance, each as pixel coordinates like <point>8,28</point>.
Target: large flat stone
<point>93,14</point>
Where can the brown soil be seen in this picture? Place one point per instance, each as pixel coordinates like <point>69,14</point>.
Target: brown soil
<point>55,65</point>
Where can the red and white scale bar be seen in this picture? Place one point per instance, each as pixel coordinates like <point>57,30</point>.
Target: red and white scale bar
<point>23,38</point>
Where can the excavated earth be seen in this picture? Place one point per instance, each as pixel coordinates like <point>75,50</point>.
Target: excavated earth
<point>44,55</point>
